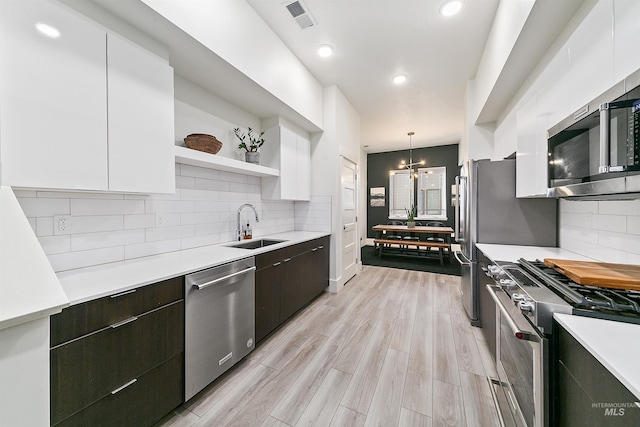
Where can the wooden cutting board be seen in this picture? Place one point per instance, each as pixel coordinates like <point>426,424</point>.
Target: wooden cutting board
<point>606,275</point>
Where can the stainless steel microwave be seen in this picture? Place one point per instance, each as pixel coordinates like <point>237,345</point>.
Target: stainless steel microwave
<point>596,150</point>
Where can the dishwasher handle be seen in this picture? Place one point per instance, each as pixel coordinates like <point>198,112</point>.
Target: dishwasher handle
<point>223,278</point>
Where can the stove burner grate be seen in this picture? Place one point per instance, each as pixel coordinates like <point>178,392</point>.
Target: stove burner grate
<point>585,298</point>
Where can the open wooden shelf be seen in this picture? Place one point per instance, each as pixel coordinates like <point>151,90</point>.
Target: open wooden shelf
<point>187,156</point>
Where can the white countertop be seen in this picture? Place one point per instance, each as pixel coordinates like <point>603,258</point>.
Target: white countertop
<point>614,344</point>
<point>94,282</point>
<point>512,253</point>
<point>29,288</point>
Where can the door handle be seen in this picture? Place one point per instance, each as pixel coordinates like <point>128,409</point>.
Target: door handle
<point>456,220</point>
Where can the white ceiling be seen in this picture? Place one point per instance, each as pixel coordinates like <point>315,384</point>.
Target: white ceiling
<point>377,39</point>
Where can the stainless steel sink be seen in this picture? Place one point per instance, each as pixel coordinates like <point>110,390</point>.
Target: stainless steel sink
<point>255,244</point>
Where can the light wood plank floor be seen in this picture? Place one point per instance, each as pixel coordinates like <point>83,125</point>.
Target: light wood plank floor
<point>394,348</point>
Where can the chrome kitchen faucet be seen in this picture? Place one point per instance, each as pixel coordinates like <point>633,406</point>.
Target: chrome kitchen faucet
<point>246,205</point>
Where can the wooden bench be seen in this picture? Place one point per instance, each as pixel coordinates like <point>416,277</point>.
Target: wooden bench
<point>379,243</point>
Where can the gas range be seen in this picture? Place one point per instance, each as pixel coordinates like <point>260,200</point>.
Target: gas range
<point>539,291</point>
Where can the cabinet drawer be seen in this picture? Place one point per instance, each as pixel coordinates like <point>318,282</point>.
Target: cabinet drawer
<point>85,370</point>
<point>267,259</point>
<point>143,403</point>
<point>82,319</point>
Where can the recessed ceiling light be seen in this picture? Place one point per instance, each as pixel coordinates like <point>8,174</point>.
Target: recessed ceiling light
<point>450,7</point>
<point>399,79</point>
<point>325,50</point>
<point>47,30</point>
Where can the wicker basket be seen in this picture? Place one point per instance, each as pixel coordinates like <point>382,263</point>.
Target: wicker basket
<point>203,142</point>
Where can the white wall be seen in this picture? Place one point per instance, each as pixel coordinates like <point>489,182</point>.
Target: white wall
<point>341,137</point>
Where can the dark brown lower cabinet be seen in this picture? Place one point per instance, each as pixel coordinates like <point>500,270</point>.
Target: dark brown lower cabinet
<point>129,372</point>
<point>287,279</point>
<point>587,393</point>
<point>142,403</point>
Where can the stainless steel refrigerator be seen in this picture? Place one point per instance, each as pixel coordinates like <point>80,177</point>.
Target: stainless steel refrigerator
<point>487,211</point>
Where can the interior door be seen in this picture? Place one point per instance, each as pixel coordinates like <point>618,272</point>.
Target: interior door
<point>349,219</point>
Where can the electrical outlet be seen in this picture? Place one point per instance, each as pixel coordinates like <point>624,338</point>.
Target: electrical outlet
<point>63,223</point>
<point>160,219</point>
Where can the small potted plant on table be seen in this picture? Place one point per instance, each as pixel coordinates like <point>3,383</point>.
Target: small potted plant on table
<point>251,143</point>
<point>411,216</point>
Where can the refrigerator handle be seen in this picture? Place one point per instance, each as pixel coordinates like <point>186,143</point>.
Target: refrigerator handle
<point>456,221</point>
<point>463,263</point>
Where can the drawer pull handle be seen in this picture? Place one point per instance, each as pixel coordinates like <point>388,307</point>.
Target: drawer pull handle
<point>321,247</point>
<point>124,322</point>
<point>122,387</point>
<point>314,249</point>
<point>286,260</point>
<point>123,293</point>
<point>277,264</point>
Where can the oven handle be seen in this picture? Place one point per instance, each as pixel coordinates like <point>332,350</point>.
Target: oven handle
<point>517,332</point>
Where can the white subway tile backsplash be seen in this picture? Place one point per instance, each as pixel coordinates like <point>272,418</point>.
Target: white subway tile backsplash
<point>620,241</point>
<point>55,244</point>
<point>83,242</point>
<point>578,206</point>
<point>233,177</point>
<point>605,230</point>
<point>69,224</point>
<point>200,194</point>
<point>633,225</point>
<point>201,240</point>
<point>106,207</point>
<point>199,218</point>
<point>620,207</point>
<point>183,182</point>
<point>212,206</point>
<point>139,221</point>
<point>169,206</point>
<point>44,226</point>
<point>211,185</point>
<point>197,172</point>
<point>101,228</point>
<point>35,207</point>
<point>73,260</point>
<point>169,233</point>
<point>616,223</point>
<point>168,219</point>
<point>151,248</point>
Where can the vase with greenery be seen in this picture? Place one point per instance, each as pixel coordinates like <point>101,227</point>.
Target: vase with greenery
<point>411,216</point>
<point>250,142</point>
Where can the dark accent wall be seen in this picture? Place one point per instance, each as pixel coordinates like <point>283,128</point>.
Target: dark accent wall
<point>379,165</point>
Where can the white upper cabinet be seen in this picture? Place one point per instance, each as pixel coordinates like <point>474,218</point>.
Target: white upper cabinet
<point>76,116</point>
<point>290,153</point>
<point>627,48</point>
<point>53,98</point>
<point>528,183</point>
<point>141,119</point>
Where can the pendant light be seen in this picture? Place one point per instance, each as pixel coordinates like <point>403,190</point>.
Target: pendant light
<point>409,166</point>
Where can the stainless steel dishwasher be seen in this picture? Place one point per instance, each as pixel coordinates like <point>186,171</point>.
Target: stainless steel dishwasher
<point>219,321</point>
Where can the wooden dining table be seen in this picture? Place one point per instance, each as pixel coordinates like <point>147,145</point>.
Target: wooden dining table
<point>381,241</point>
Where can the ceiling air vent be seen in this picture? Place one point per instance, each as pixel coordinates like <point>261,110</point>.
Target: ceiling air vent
<point>300,13</point>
